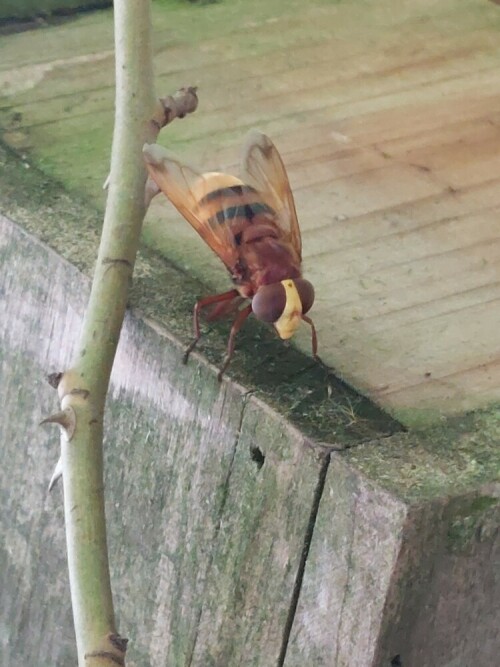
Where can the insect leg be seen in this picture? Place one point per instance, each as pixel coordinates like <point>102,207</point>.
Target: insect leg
<point>203,303</point>
<point>314,337</point>
<point>237,324</point>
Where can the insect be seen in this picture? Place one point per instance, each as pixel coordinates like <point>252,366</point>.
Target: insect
<point>251,224</point>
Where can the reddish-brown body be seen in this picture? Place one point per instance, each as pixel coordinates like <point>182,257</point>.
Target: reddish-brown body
<point>266,260</point>
<point>252,226</point>
<point>262,252</point>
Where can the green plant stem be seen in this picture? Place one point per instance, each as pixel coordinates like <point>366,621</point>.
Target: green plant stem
<point>84,387</point>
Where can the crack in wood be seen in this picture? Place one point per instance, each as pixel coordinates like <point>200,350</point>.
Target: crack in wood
<point>318,493</point>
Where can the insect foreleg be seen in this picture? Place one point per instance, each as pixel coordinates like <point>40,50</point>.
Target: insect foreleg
<point>203,303</point>
<point>314,336</point>
<point>237,324</point>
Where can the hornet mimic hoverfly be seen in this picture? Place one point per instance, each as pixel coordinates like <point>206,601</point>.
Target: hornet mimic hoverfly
<point>252,226</point>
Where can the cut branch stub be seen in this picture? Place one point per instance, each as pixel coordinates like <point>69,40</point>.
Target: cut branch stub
<point>66,419</point>
<point>178,105</point>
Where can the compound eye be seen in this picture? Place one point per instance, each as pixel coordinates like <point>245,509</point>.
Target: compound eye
<point>269,302</point>
<point>306,293</point>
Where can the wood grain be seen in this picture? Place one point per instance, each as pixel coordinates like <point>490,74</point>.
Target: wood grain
<point>389,123</point>
<point>223,517</point>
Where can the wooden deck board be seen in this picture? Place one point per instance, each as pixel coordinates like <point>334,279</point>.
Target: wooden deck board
<point>389,122</point>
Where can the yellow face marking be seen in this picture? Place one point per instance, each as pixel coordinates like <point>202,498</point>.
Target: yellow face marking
<point>289,321</point>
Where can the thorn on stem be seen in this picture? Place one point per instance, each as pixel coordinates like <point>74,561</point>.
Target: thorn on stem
<point>56,475</point>
<point>66,419</point>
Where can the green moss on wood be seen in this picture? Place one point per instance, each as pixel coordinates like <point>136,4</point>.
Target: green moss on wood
<point>305,392</point>
<point>457,456</point>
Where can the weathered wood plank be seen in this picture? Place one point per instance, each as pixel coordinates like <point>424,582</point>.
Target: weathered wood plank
<point>178,462</point>
<point>353,554</point>
<point>177,447</point>
<point>259,544</point>
<point>168,454</point>
<point>407,566</point>
<point>207,548</point>
<point>389,124</point>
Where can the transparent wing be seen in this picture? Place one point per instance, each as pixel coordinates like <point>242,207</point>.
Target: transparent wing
<point>186,187</point>
<point>263,169</point>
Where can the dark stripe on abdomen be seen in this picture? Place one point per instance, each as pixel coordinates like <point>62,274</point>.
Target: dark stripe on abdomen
<point>246,211</point>
<point>231,191</point>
